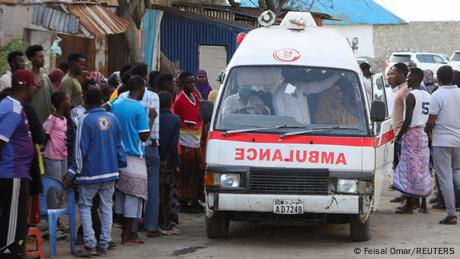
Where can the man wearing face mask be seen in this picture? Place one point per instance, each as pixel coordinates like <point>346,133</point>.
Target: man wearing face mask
<point>245,102</point>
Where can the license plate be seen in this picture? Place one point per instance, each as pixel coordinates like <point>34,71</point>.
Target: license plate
<point>288,207</point>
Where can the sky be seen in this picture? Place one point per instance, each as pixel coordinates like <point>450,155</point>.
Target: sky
<point>424,10</point>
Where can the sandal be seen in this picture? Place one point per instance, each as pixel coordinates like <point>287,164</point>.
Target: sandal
<point>398,199</point>
<point>86,252</point>
<point>405,210</point>
<point>449,220</point>
<point>132,242</point>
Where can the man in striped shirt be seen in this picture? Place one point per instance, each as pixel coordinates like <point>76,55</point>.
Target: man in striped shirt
<point>16,155</point>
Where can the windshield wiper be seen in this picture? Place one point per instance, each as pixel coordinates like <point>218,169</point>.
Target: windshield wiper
<point>284,126</point>
<point>315,130</point>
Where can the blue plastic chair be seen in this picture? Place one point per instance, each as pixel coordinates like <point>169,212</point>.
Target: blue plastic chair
<point>53,214</point>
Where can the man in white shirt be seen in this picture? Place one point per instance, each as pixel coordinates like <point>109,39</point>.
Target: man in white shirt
<point>444,122</point>
<point>391,94</point>
<point>290,99</point>
<point>16,61</point>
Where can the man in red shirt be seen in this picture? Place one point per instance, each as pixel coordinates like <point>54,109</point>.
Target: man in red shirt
<point>190,183</point>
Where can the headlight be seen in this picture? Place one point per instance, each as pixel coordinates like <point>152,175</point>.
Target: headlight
<point>230,180</point>
<point>347,186</point>
<point>222,180</point>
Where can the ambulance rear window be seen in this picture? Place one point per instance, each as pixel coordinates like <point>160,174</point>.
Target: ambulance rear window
<point>269,96</point>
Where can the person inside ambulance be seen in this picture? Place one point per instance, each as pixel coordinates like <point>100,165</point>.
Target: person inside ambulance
<point>292,96</point>
<point>245,102</point>
<point>331,109</point>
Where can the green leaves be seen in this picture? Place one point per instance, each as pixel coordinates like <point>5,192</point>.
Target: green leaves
<point>14,44</point>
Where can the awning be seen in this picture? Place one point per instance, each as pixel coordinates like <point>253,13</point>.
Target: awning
<point>87,20</point>
<point>98,20</point>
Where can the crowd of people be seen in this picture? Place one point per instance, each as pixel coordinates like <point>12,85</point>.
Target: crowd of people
<point>427,131</point>
<point>130,144</point>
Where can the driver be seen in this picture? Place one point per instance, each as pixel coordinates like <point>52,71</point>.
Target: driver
<point>245,102</point>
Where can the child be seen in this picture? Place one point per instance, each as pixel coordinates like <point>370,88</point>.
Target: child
<point>169,137</point>
<point>55,153</point>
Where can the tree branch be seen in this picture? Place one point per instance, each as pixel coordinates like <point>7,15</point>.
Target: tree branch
<point>233,3</point>
<point>262,4</point>
<point>271,5</point>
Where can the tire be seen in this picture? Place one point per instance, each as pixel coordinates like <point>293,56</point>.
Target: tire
<point>359,232</point>
<point>217,225</point>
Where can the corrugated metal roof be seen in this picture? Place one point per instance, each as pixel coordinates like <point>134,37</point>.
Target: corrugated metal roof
<point>98,20</point>
<point>347,11</point>
<point>181,35</point>
<point>55,20</point>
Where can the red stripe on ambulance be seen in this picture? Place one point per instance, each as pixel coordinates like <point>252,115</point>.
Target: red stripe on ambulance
<point>317,140</point>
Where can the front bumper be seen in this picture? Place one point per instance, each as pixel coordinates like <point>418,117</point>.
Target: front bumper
<point>334,204</point>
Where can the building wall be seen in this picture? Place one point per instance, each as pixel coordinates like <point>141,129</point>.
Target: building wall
<point>181,36</point>
<point>437,37</point>
<point>364,33</point>
<point>13,20</point>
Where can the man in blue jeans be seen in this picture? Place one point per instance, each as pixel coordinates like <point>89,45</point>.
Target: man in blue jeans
<point>98,156</point>
<point>151,215</point>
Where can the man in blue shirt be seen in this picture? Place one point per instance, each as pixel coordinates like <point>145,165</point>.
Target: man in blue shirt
<point>152,158</point>
<point>98,155</point>
<point>16,155</point>
<point>132,188</point>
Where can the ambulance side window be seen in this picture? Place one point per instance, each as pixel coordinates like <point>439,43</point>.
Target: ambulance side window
<point>378,90</point>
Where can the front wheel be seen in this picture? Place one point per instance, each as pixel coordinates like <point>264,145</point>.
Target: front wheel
<point>359,231</point>
<point>217,225</point>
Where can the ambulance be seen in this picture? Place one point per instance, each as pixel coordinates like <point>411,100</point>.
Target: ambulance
<point>293,136</point>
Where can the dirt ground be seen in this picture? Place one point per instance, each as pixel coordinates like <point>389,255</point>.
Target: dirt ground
<point>393,236</point>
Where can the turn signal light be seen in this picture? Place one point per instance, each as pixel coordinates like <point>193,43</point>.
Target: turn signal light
<point>209,179</point>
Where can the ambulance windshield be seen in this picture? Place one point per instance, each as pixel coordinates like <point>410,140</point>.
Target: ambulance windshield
<point>266,96</point>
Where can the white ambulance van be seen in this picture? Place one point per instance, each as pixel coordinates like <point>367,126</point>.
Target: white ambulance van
<point>293,136</point>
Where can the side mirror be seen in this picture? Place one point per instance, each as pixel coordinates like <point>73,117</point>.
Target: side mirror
<point>205,112</point>
<point>378,111</point>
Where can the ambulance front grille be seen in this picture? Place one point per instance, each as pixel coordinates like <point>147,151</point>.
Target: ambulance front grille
<point>304,183</point>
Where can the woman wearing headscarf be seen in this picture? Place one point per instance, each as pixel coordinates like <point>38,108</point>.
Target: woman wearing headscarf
<point>98,77</point>
<point>331,109</point>
<point>56,77</point>
<point>202,83</point>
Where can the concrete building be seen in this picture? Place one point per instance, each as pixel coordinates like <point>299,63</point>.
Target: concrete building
<point>436,37</point>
